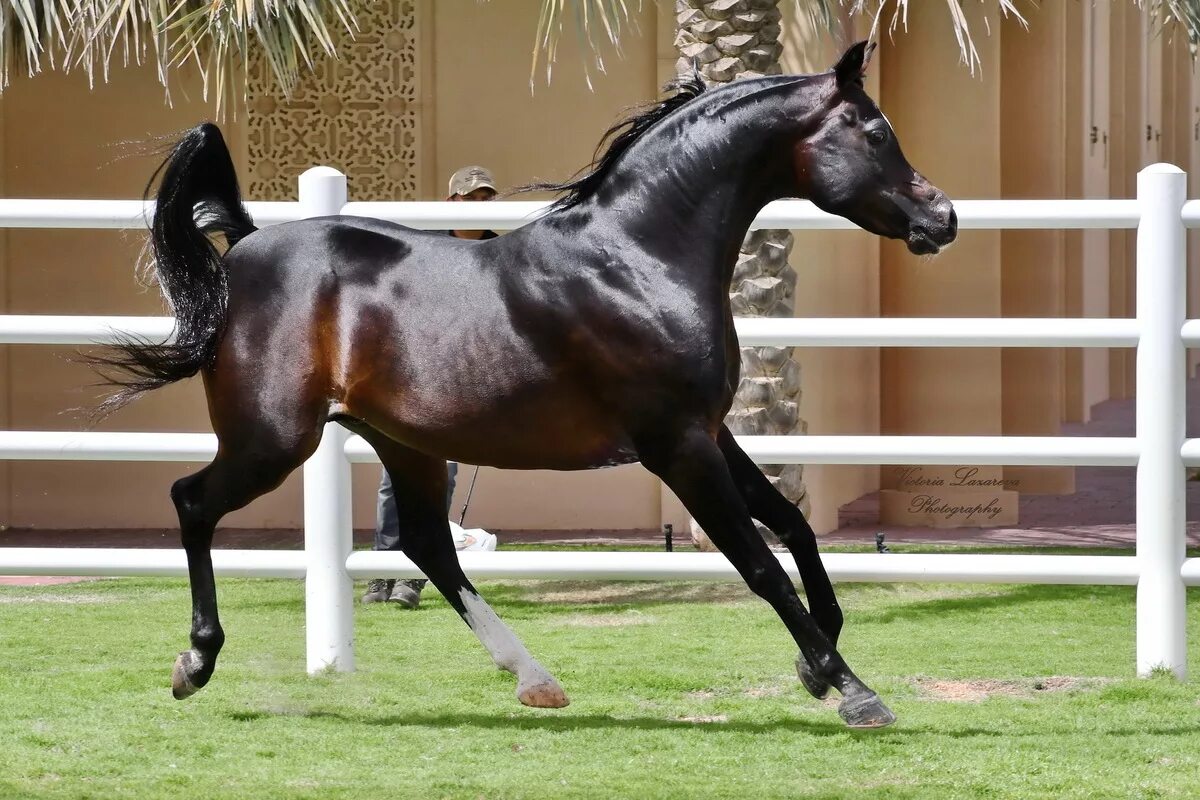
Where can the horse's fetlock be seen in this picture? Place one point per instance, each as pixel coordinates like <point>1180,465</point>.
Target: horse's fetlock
<point>829,667</point>
<point>208,639</point>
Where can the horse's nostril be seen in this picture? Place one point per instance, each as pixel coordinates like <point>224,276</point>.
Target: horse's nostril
<point>953,224</point>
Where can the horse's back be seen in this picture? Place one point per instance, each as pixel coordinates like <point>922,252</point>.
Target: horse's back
<point>342,247</point>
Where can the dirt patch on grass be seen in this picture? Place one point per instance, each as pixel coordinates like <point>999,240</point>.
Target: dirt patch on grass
<point>704,720</point>
<point>970,691</point>
<point>72,599</point>
<point>40,580</point>
<point>763,691</point>
<point>974,691</point>
<point>1058,683</point>
<point>631,592</point>
<point>607,620</point>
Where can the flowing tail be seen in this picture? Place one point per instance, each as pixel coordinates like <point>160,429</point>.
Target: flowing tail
<point>198,195</point>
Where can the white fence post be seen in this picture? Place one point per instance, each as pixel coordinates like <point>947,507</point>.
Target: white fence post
<point>328,588</point>
<point>1161,542</point>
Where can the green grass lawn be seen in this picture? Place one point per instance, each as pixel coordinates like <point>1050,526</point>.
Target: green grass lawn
<point>678,690</point>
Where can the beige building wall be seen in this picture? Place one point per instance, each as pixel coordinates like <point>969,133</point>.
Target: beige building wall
<point>59,138</point>
<point>64,139</point>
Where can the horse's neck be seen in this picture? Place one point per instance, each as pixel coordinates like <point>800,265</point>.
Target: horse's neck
<point>687,197</point>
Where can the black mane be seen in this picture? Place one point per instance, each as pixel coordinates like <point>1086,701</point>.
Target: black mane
<point>623,134</point>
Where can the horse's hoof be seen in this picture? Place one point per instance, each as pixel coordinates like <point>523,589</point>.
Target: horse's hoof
<point>181,685</point>
<point>866,711</point>
<point>817,687</point>
<point>544,694</point>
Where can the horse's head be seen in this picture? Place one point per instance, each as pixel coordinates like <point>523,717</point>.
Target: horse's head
<point>850,164</point>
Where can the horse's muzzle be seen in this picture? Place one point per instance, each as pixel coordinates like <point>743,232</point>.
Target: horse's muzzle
<point>928,237</point>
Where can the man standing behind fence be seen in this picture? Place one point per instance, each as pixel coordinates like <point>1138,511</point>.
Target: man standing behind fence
<point>474,184</point>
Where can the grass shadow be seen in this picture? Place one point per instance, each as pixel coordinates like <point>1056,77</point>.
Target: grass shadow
<point>1009,598</point>
<point>595,596</point>
<point>557,723</point>
<point>553,723</point>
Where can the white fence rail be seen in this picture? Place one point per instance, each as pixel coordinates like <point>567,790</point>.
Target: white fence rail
<point>1160,451</point>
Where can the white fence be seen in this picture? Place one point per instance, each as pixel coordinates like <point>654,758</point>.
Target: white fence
<point>1159,450</point>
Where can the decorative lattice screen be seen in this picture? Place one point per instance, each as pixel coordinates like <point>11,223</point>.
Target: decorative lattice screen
<point>359,114</point>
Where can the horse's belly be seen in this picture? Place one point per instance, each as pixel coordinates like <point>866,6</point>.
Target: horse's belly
<point>537,425</point>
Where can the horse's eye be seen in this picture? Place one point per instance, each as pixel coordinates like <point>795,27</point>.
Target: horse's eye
<point>877,136</point>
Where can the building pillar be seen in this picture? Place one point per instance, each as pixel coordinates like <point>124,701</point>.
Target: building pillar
<point>1192,165</point>
<point>1095,251</point>
<point>1127,135</point>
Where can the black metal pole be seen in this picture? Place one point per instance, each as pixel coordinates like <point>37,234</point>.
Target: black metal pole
<point>470,491</point>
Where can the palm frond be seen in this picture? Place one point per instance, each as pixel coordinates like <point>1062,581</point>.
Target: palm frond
<point>898,18</point>
<point>217,36</point>
<point>614,15</point>
<point>1165,14</point>
<point>1168,14</point>
<point>589,15</point>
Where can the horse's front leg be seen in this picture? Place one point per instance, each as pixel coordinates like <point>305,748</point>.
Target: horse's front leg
<point>694,467</point>
<point>768,506</point>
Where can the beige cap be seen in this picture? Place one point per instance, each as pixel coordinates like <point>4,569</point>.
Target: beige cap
<point>468,179</point>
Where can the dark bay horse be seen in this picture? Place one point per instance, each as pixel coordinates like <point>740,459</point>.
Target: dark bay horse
<point>598,334</point>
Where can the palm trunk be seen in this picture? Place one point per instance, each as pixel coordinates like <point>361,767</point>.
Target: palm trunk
<point>727,40</point>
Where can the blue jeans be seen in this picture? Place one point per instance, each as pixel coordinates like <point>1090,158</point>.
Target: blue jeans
<point>387,515</point>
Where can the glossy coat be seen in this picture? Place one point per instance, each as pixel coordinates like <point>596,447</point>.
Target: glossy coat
<point>598,334</point>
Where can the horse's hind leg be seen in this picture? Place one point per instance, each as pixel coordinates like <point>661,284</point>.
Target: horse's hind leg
<point>420,483</point>
<point>695,469</point>
<point>772,509</point>
<point>241,472</point>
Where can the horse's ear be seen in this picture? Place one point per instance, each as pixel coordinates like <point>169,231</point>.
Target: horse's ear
<point>853,64</point>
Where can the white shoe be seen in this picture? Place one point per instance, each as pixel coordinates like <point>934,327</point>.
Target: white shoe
<point>474,539</point>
